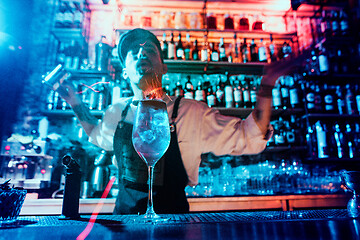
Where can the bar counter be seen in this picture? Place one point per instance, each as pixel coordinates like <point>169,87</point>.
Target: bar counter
<point>300,224</point>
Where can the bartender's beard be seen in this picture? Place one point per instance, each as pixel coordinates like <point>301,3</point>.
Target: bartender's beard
<point>151,85</point>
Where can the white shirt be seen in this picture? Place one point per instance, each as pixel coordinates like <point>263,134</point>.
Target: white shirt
<point>200,129</point>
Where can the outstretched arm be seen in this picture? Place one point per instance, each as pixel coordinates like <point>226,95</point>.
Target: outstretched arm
<point>262,110</point>
<point>68,92</point>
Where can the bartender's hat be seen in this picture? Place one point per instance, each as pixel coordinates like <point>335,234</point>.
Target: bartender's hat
<point>135,36</point>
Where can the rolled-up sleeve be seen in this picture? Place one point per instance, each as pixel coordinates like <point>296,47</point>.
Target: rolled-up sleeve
<point>223,135</point>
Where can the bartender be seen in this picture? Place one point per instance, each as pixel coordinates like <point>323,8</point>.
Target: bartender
<point>198,129</point>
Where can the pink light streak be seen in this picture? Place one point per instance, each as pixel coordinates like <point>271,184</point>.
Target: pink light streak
<point>97,209</point>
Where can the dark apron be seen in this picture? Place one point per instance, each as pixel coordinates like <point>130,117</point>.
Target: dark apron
<point>170,178</point>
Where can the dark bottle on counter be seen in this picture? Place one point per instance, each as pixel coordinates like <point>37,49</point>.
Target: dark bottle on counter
<point>229,22</point>
<point>179,49</point>
<point>222,51</point>
<point>340,141</point>
<point>253,51</point>
<point>318,99</point>
<point>246,94</point>
<point>245,52</point>
<point>164,47</point>
<point>229,95</point>
<point>238,97</point>
<point>195,52</point>
<point>328,100</point>
<point>189,89</point>
<point>350,141</point>
<point>294,93</point>
<point>276,96</point>
<point>199,93</point>
<point>214,56</point>
<point>187,48</point>
<point>321,139</point>
<point>220,94</point>
<point>285,96</point>
<point>171,47</point>
<point>340,101</point>
<point>210,97</point>
<point>178,91</point>
<point>349,101</point>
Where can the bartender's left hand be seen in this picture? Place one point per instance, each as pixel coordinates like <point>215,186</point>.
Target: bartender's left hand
<point>283,67</point>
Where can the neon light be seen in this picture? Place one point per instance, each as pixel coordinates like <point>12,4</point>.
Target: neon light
<point>96,211</point>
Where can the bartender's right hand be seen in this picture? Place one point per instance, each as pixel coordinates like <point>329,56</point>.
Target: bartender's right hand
<point>68,92</point>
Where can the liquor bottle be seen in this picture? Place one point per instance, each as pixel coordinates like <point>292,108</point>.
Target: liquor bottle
<point>238,97</point>
<point>236,56</point>
<point>50,100</point>
<point>294,93</point>
<point>245,52</point>
<point>328,100</point>
<point>349,100</point>
<point>200,93</point>
<point>68,16</point>
<point>78,15</point>
<point>311,142</point>
<point>59,16</point>
<point>220,94</point>
<point>229,22</point>
<point>276,97</point>
<point>210,97</point>
<point>350,141</point>
<point>228,90</point>
<point>246,93</point>
<point>344,24</point>
<point>340,141</point>
<point>244,23</point>
<point>189,89</point>
<point>187,48</point>
<point>323,60</point>
<point>321,140</point>
<point>318,99</point>
<point>253,91</point>
<point>285,96</point>
<point>280,133</point>
<point>340,101</point>
<point>325,24</point>
<point>272,50</point>
<point>335,23</point>
<point>214,56</point>
<point>357,139</point>
<point>165,47</point>
<point>262,52</point>
<point>171,47</point>
<point>205,51</point>
<point>310,97</point>
<point>178,91</point>
<point>195,52</point>
<point>357,97</point>
<point>222,51</point>
<point>289,134</point>
<point>179,49</point>
<point>253,51</point>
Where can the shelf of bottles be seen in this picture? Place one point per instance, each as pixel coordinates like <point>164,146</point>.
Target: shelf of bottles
<point>71,20</point>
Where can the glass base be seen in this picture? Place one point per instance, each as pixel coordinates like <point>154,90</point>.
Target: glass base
<point>150,218</point>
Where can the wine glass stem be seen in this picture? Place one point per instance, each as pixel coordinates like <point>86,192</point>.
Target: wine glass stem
<point>150,206</point>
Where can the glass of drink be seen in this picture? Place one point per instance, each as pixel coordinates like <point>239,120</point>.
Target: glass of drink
<point>151,138</point>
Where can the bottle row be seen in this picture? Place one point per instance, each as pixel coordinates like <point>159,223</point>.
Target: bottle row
<point>70,14</point>
<point>328,139</point>
<point>290,176</point>
<point>239,50</point>
<point>195,20</point>
<point>287,132</point>
<point>335,99</point>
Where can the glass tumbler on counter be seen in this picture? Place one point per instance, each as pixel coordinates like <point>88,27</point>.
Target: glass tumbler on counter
<point>11,201</point>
